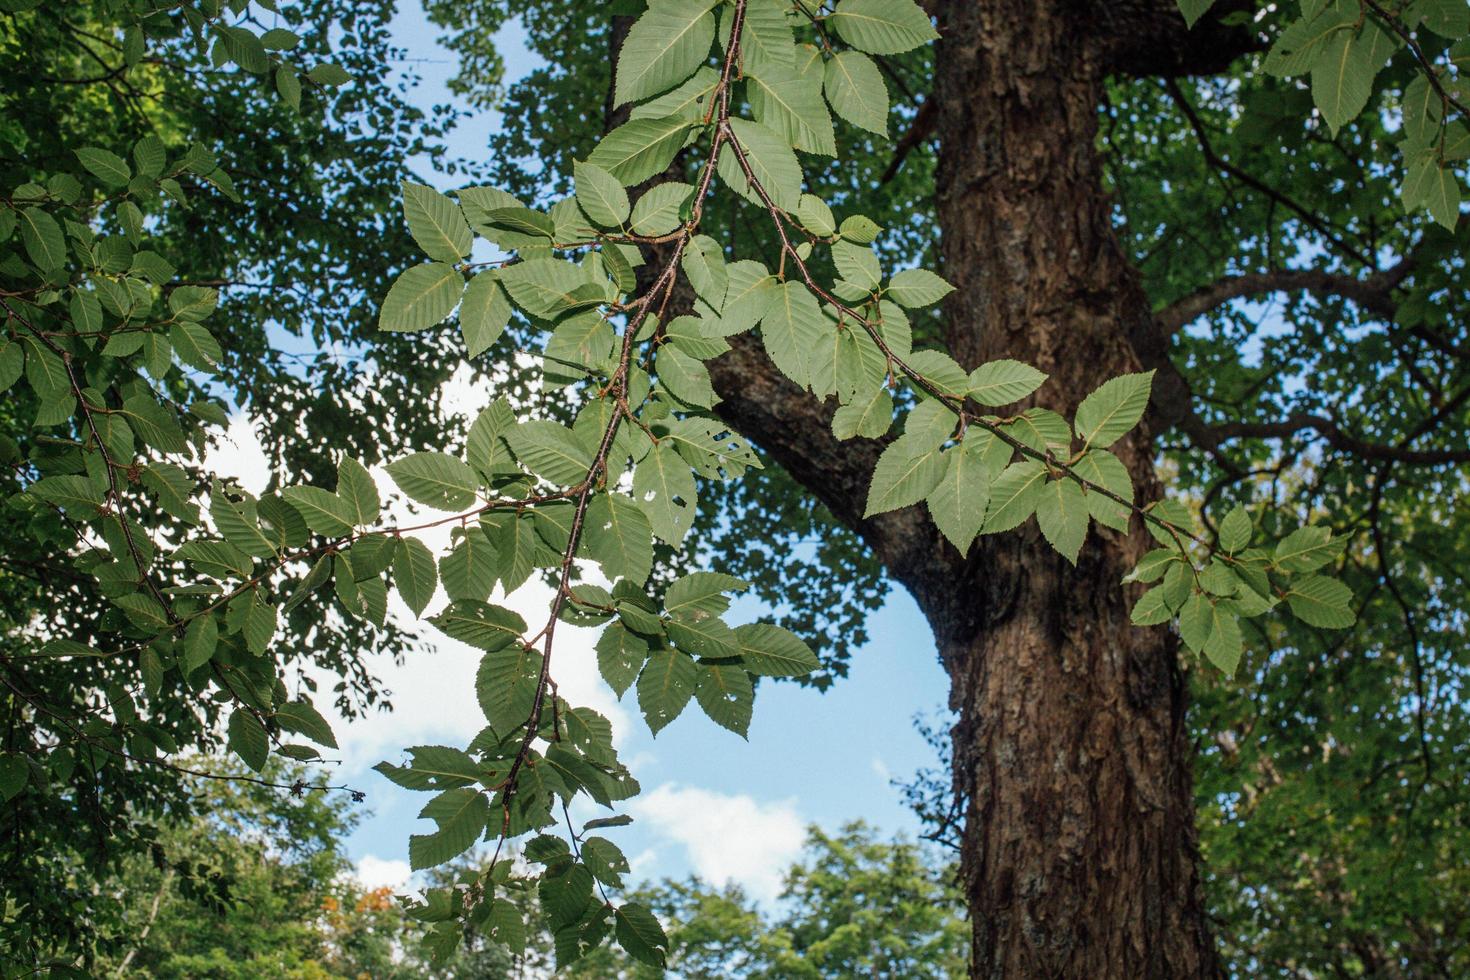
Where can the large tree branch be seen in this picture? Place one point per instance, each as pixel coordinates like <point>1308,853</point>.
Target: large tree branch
<point>1148,38</point>
<point>795,430</point>
<point>1336,437</point>
<point>1374,293</point>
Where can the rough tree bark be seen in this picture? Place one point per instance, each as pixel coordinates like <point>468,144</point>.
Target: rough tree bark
<point>1079,855</point>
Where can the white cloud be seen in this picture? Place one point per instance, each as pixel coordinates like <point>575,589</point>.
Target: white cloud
<point>728,838</point>
<point>376,872</point>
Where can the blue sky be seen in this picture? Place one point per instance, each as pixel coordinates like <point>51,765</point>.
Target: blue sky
<point>711,803</point>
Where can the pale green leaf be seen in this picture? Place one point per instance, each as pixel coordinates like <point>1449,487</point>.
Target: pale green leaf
<point>883,26</point>
<point>1114,408</point>
<point>663,47</point>
<point>1014,496</point>
<point>905,475</point>
<point>436,223</point>
<point>601,196</point>
<point>857,92</point>
<point>484,313</point>
<point>1061,513</point>
<point>665,687</point>
<point>421,297</point>
<point>1321,601</point>
<point>436,480</point>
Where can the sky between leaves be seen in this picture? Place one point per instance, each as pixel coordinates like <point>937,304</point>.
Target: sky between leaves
<point>713,804</point>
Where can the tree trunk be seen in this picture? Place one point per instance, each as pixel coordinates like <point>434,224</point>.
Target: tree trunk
<point>1079,855</point>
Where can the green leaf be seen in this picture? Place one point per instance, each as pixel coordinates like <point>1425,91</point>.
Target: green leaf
<point>484,313</point>
<point>686,377</point>
<point>14,773</point>
<point>110,168</point>
<point>665,687</point>
<point>704,264</point>
<point>239,524</point>
<point>246,737</point>
<point>1107,471</point>
<point>433,767</point>
<point>815,216</point>
<point>664,486</point>
<point>601,196</point>
<point>1321,601</point>
<point>1061,513</point>
<point>771,162</point>
<point>549,287</point>
<point>727,696</point>
<point>1003,382</point>
<point>859,228</point>
<point>958,502</point>
<point>435,480</point>
<point>480,624</point>
<point>1223,643</point>
<point>153,423</point>
<point>640,148</point>
<point>42,238</point>
<point>857,92</point>
<point>196,346</point>
<point>702,635</point>
<point>773,651</point>
<point>74,494</point>
<point>1343,71</point>
<point>883,26</point>
<point>619,537</point>
<point>869,415</point>
<point>329,74</point>
<point>259,628</point>
<point>916,288</point>
<point>765,41</point>
<point>790,105</point>
<point>506,684</point>
<point>358,491</point>
<point>301,717</point>
<point>1193,10</point>
<point>1107,414</point>
<point>1014,496</point>
<point>461,815</point>
<point>621,654</point>
<point>469,570</point>
<point>702,592</point>
<point>551,451</point>
<point>520,221</point>
<point>663,48</point>
<point>857,264</point>
<point>436,223</point>
<point>325,513</point>
<point>421,297</point>
<point>793,326</point>
<point>1235,530</point>
<point>516,548</point>
<point>640,935</point>
<point>1442,196</point>
<point>1151,609</point>
<point>905,475</point>
<point>658,210</point>
<point>1307,549</point>
<point>200,641</point>
<point>485,447</point>
<point>415,574</point>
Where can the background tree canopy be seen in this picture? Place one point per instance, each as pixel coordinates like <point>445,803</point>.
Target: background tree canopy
<point>1199,314</point>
